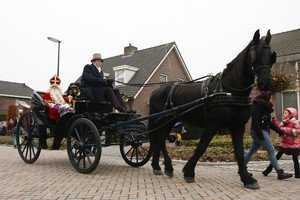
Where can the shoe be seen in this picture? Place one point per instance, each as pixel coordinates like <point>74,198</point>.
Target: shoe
<point>297,175</point>
<point>267,170</point>
<point>282,175</point>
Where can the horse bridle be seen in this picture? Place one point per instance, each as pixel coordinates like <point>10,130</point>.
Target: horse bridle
<point>252,58</point>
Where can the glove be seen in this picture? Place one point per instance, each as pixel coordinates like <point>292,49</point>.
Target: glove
<point>284,123</point>
<point>280,133</point>
<point>109,82</point>
<point>260,136</point>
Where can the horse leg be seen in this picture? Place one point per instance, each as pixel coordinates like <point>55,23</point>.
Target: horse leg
<point>158,143</point>
<point>155,148</point>
<point>237,140</point>
<point>155,160</point>
<point>167,160</point>
<point>189,168</point>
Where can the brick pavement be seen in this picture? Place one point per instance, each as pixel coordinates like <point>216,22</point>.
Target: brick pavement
<point>53,177</point>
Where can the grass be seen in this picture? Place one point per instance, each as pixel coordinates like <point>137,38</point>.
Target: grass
<point>220,149</point>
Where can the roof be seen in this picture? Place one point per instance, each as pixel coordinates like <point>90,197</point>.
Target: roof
<point>286,43</point>
<point>146,60</point>
<point>12,89</point>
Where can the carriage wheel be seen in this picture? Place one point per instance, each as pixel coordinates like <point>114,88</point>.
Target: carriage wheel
<point>84,145</point>
<point>27,138</point>
<point>135,146</point>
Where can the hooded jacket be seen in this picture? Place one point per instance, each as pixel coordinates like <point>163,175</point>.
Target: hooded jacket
<point>293,128</point>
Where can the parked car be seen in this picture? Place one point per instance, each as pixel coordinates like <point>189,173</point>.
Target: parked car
<point>3,128</point>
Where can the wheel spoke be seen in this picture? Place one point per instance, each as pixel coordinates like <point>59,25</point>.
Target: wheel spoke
<point>88,158</point>
<point>140,153</point>
<point>74,139</point>
<point>33,151</point>
<point>128,151</point>
<point>83,157</point>
<point>27,147</point>
<point>77,133</point>
<point>144,148</point>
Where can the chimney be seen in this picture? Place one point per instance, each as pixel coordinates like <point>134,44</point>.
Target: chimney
<point>129,50</point>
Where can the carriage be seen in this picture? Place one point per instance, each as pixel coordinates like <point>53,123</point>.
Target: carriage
<point>220,101</point>
<point>91,127</point>
<point>86,131</point>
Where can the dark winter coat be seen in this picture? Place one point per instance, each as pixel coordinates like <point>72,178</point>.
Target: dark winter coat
<point>261,120</point>
<point>93,83</point>
<point>261,114</point>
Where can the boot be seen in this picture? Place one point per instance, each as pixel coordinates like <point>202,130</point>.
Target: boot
<point>43,141</point>
<point>267,170</point>
<point>282,175</point>
<point>297,175</point>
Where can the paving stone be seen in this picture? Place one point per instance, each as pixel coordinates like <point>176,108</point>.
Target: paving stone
<point>53,177</point>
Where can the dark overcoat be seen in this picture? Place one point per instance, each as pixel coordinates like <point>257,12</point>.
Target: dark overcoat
<point>93,83</point>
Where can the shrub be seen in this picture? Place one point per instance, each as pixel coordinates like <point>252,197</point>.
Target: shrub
<point>192,133</point>
<point>220,141</point>
<point>2,117</point>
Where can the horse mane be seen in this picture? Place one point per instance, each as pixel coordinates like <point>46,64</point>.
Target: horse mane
<point>237,64</point>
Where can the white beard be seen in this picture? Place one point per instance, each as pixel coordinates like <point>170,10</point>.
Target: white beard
<point>56,95</point>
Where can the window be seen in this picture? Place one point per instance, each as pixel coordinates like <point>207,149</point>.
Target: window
<point>290,98</point>
<point>124,73</point>
<point>120,74</point>
<point>163,78</point>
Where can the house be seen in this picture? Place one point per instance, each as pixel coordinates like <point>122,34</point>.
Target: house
<point>142,71</point>
<point>14,94</point>
<point>287,47</point>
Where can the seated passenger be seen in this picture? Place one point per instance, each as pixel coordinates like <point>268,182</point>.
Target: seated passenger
<point>98,88</point>
<point>55,100</point>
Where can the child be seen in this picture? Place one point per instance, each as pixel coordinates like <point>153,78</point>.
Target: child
<point>289,143</point>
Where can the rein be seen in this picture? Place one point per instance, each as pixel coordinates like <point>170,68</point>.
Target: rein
<point>161,83</point>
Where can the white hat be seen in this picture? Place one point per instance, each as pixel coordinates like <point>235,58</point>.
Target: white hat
<point>97,56</point>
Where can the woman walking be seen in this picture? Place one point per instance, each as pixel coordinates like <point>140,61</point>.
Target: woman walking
<point>261,123</point>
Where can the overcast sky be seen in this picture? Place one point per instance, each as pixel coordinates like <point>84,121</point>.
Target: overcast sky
<point>209,34</point>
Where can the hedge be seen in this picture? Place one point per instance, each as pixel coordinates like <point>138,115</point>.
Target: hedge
<point>3,117</point>
<point>226,142</point>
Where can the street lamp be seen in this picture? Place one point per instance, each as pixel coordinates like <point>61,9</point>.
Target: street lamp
<point>57,41</point>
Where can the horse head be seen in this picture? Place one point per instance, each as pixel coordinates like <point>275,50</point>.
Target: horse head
<point>261,58</point>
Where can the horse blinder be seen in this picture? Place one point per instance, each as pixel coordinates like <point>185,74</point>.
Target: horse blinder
<point>253,58</point>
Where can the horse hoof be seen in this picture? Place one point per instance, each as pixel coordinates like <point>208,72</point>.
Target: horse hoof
<point>157,172</point>
<point>189,179</point>
<point>252,186</point>
<point>169,173</point>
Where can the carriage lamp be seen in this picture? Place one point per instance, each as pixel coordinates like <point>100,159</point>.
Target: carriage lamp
<point>57,41</point>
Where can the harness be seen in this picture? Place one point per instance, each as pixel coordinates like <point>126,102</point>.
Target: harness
<point>227,99</point>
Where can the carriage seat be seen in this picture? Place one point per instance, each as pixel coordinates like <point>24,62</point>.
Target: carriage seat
<point>79,94</point>
<point>40,109</point>
<point>84,104</point>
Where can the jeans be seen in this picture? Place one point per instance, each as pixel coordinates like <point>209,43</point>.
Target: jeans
<point>266,144</point>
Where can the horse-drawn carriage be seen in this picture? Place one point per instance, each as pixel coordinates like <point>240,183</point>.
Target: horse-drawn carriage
<point>85,131</point>
<point>221,101</point>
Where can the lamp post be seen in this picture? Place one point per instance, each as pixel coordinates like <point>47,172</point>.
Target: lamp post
<point>57,41</point>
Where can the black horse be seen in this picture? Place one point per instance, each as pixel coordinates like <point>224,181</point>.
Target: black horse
<point>237,78</point>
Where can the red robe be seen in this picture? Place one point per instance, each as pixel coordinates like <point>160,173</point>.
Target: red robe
<point>53,113</point>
